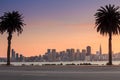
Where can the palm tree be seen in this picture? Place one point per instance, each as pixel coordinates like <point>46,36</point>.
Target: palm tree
<point>11,22</point>
<point>108,23</point>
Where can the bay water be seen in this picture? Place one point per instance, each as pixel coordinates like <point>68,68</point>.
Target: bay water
<point>63,63</point>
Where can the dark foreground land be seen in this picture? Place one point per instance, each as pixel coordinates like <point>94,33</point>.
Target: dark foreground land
<point>60,73</point>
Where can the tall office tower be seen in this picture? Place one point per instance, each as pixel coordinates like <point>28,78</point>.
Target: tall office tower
<point>78,50</point>
<point>54,54</point>
<point>21,57</point>
<point>69,54</point>
<point>100,51</point>
<point>72,50</point>
<point>48,51</point>
<point>67,50</point>
<point>17,57</point>
<point>63,56</point>
<point>88,53</point>
<point>53,50</point>
<point>13,55</point>
<point>72,54</point>
<point>83,51</point>
<point>77,54</point>
<point>83,54</point>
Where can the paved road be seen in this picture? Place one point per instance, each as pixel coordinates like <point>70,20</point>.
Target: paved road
<point>50,75</point>
<point>60,73</point>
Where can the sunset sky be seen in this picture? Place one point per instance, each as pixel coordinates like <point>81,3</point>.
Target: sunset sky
<point>58,24</point>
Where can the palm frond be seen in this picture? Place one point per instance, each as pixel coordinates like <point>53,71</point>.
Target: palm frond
<point>11,22</point>
<point>108,20</point>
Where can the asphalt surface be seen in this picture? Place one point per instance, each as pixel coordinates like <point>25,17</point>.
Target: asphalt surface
<point>60,73</point>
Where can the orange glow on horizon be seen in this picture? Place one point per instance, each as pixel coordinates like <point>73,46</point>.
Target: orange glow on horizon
<point>39,43</point>
<point>57,24</point>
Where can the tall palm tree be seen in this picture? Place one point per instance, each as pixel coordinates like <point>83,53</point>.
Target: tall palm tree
<point>11,22</point>
<point>108,23</point>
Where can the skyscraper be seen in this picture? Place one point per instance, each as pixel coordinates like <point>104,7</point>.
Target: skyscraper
<point>17,57</point>
<point>21,57</point>
<point>13,54</point>
<point>83,51</point>
<point>88,53</point>
<point>83,54</point>
<point>100,50</point>
<point>77,55</point>
<point>48,51</point>
<point>70,53</point>
<point>54,54</point>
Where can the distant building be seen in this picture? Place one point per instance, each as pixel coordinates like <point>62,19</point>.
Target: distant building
<point>13,55</point>
<point>83,54</point>
<point>17,57</point>
<point>78,50</point>
<point>21,57</point>
<point>84,51</point>
<point>70,54</point>
<point>72,50</point>
<point>54,54</point>
<point>88,58</point>
<point>97,53</point>
<point>77,55</point>
<point>48,50</point>
<point>100,50</point>
<point>88,53</point>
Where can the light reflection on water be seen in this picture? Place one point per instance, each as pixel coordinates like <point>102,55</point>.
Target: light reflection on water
<point>64,63</point>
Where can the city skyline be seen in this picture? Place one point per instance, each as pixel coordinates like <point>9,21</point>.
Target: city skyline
<point>57,25</point>
<point>52,55</point>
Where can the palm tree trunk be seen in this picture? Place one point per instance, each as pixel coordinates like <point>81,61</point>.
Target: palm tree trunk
<point>9,48</point>
<point>110,49</point>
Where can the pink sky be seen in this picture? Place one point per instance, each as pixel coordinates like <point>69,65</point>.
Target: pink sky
<point>57,24</point>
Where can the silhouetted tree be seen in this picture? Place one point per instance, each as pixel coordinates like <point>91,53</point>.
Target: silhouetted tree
<point>108,23</point>
<point>11,22</point>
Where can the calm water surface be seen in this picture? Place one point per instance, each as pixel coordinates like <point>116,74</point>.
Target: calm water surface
<point>64,63</point>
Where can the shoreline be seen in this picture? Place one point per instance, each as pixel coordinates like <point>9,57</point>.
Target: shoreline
<point>63,63</point>
<point>62,68</point>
